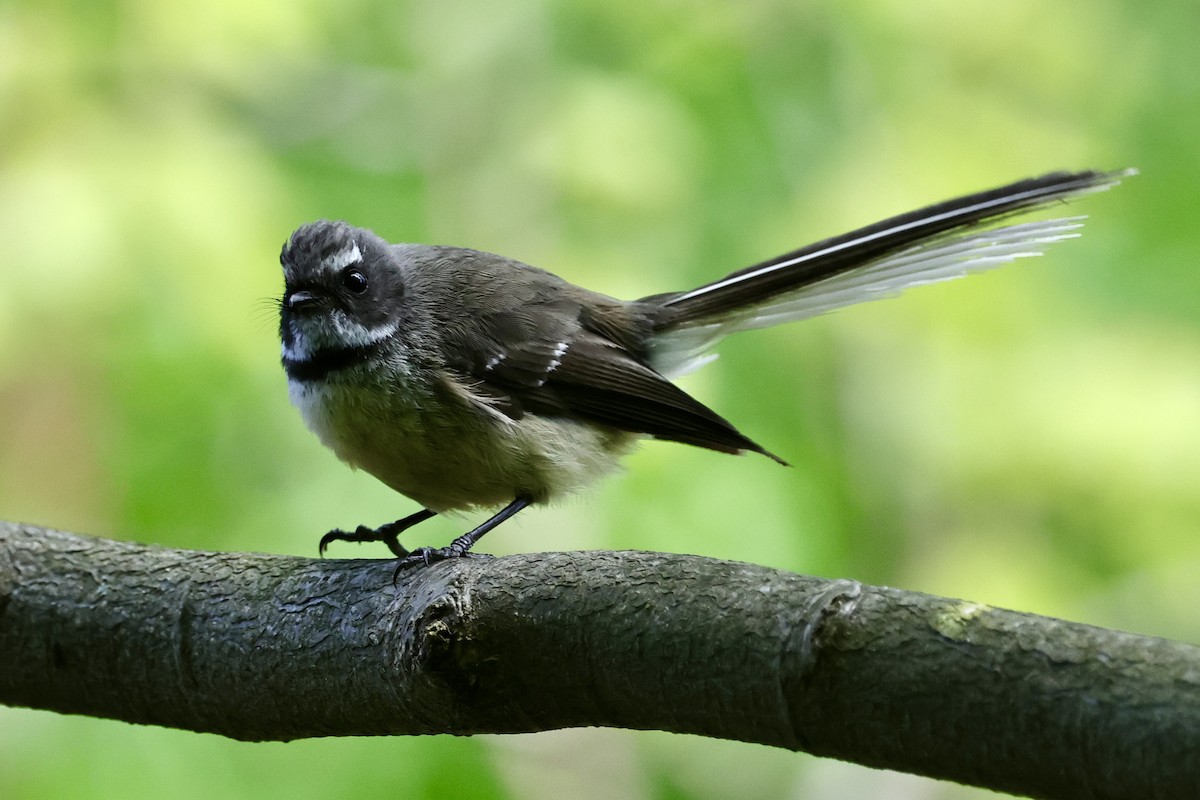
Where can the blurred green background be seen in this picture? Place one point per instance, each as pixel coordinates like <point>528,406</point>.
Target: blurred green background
<point>1027,438</point>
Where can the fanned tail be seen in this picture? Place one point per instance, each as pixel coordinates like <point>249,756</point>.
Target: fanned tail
<point>936,243</point>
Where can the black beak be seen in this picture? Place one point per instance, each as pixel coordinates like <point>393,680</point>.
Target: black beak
<point>299,299</point>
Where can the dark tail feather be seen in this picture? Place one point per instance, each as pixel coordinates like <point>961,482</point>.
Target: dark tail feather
<point>792,271</point>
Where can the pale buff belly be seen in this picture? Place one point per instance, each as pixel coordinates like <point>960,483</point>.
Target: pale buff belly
<point>447,455</point>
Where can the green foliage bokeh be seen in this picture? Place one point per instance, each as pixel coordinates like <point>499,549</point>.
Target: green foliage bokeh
<point>1027,438</point>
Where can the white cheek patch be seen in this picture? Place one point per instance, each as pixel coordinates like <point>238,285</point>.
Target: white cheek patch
<point>351,333</point>
<point>336,331</point>
<point>342,259</point>
<point>298,350</point>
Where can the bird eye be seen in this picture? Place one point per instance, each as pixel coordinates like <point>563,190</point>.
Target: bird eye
<point>354,280</point>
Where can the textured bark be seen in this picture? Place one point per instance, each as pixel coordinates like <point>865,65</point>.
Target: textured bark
<point>265,647</point>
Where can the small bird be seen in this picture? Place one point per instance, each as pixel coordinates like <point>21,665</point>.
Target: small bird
<point>466,380</point>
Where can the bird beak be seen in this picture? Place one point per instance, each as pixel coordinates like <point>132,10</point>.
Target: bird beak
<point>298,299</point>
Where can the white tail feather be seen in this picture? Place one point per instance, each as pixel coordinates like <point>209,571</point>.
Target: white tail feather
<point>684,349</point>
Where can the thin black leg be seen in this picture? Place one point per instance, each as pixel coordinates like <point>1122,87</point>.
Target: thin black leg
<point>461,547</point>
<point>389,534</point>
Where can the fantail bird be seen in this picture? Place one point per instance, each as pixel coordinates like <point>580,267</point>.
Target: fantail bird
<point>468,380</point>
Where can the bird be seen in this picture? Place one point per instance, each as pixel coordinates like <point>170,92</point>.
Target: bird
<point>466,380</point>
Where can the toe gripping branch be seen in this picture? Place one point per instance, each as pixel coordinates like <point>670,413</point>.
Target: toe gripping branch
<point>389,534</point>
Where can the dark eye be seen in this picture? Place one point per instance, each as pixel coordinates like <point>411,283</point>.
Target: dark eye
<point>354,280</point>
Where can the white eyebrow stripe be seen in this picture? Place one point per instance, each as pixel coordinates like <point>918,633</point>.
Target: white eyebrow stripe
<point>343,258</point>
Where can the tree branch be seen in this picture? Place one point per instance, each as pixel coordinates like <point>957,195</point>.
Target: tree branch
<point>261,647</point>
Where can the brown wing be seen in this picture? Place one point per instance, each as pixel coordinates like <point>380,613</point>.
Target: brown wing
<point>544,359</point>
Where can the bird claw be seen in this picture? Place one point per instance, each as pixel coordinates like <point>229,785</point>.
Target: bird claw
<point>426,556</point>
<point>364,534</point>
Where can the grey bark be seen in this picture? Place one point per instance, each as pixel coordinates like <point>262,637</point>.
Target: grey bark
<point>262,647</point>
